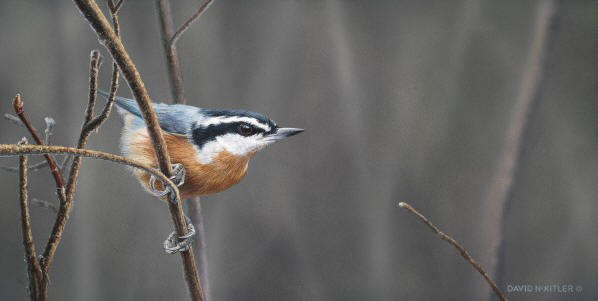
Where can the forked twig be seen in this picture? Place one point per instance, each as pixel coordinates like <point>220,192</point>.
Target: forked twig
<point>114,8</point>
<point>189,21</point>
<point>457,246</point>
<point>18,108</point>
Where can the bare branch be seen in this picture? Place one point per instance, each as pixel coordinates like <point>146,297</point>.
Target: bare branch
<point>15,150</point>
<point>175,76</point>
<point>94,63</point>
<point>173,65</point>
<point>34,270</point>
<point>457,246</point>
<point>18,107</point>
<point>195,214</point>
<point>112,42</point>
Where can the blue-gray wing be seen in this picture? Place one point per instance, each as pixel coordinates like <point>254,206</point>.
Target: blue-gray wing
<point>176,119</point>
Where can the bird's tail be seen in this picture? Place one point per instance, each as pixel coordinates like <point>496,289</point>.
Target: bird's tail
<point>125,104</point>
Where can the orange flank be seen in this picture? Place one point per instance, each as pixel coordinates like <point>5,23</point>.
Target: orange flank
<point>223,172</point>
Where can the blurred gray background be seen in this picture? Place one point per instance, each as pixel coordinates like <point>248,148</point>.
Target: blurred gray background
<point>401,100</point>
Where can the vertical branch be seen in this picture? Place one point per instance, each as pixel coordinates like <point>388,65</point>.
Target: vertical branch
<point>195,214</point>
<point>92,13</point>
<point>500,191</point>
<point>34,271</point>
<point>65,206</point>
<point>169,39</point>
<point>457,246</point>
<point>175,76</point>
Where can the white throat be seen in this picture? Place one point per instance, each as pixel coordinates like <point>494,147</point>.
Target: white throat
<point>233,143</point>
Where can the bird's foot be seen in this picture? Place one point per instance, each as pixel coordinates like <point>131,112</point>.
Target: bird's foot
<point>178,178</point>
<point>172,244</point>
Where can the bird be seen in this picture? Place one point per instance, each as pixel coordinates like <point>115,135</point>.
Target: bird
<point>213,145</point>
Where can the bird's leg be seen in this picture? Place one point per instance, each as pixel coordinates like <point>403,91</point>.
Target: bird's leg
<point>172,244</point>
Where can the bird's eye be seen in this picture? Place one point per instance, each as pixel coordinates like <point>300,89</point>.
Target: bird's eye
<point>245,130</point>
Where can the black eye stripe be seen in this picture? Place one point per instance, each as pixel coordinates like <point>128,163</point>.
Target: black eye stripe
<point>203,135</point>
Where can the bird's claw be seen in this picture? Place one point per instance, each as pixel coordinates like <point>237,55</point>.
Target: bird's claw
<point>178,178</point>
<point>178,174</point>
<point>172,244</point>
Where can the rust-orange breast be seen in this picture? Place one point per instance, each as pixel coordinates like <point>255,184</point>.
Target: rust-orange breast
<point>224,171</point>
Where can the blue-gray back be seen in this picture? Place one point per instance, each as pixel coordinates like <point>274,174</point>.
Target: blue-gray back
<point>176,118</point>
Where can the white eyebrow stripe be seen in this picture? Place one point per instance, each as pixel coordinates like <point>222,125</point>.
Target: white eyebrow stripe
<point>230,119</point>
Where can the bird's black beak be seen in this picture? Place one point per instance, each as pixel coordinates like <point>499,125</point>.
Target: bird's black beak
<point>282,133</point>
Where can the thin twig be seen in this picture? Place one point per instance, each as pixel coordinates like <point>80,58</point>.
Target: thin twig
<point>15,150</point>
<point>189,21</point>
<point>114,8</point>
<point>33,267</point>
<point>92,13</point>
<point>18,107</point>
<point>94,63</point>
<point>457,246</point>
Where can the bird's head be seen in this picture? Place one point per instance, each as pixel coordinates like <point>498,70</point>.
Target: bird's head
<point>237,132</point>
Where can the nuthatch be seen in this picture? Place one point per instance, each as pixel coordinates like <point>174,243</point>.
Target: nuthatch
<point>214,146</point>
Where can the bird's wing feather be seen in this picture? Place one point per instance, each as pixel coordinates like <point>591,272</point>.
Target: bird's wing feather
<point>175,119</point>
